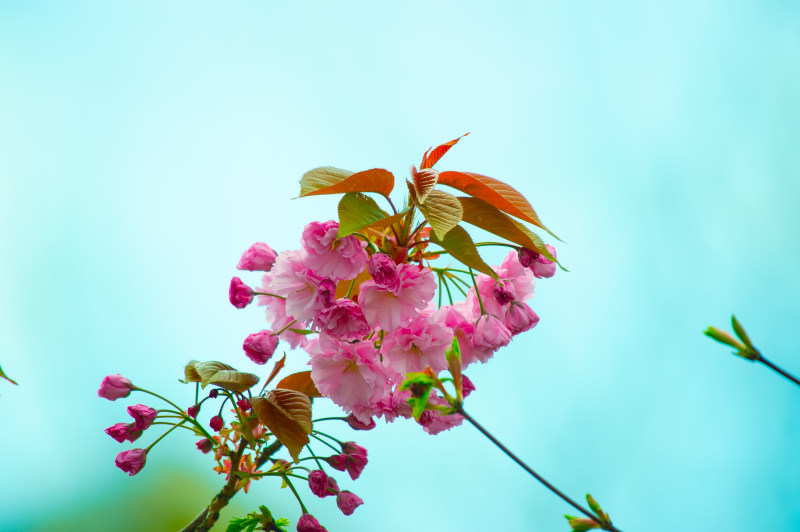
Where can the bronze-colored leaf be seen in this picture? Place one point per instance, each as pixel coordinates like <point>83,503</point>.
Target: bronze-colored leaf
<point>342,287</point>
<point>495,192</point>
<point>276,369</point>
<point>330,180</point>
<point>207,370</point>
<point>190,373</point>
<point>434,154</point>
<point>458,243</point>
<point>235,381</point>
<point>442,210</point>
<point>486,216</point>
<point>300,382</point>
<point>424,181</point>
<point>287,414</point>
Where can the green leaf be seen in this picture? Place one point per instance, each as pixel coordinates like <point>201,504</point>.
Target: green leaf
<point>239,524</point>
<point>330,180</point>
<point>459,244</point>
<point>6,377</point>
<point>739,330</point>
<point>723,337</point>
<point>357,211</point>
<point>420,385</point>
<point>442,210</point>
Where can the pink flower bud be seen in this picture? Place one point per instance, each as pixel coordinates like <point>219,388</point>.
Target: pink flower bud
<point>258,257</point>
<point>544,267</point>
<point>244,404</point>
<point>321,484</point>
<point>527,257</point>
<point>504,293</point>
<point>114,387</point>
<point>356,424</point>
<point>216,423</point>
<point>355,458</point>
<point>520,318</point>
<point>467,387</point>
<point>205,445</point>
<point>348,502</point>
<point>490,333</point>
<point>120,431</point>
<point>239,293</point>
<point>143,416</point>
<point>260,346</point>
<point>382,269</point>
<point>193,410</point>
<point>308,523</point>
<point>213,393</point>
<point>131,461</point>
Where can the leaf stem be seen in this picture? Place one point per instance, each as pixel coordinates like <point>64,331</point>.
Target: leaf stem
<point>460,409</point>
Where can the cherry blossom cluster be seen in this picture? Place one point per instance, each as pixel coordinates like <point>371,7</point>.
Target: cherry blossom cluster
<point>367,318</point>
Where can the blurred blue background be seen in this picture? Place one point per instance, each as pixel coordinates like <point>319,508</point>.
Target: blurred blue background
<point>146,145</point>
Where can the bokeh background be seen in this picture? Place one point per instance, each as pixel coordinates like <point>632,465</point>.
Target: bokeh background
<point>146,145</point>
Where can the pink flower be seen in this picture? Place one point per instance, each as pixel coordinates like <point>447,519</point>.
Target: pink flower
<point>520,317</point>
<point>205,445</point>
<point>348,373</point>
<point>460,320</point>
<point>239,293</point>
<point>114,387</point>
<point>540,265</point>
<point>342,320</point>
<point>131,461</point>
<point>216,423</point>
<point>490,333</point>
<point>521,278</point>
<point>383,269</point>
<point>504,293</point>
<point>357,424</point>
<point>258,257</point>
<point>328,256</point>
<point>123,431</point>
<point>394,405</point>
<point>276,315</point>
<point>353,459</point>
<point>434,422</point>
<point>260,346</point>
<point>308,523</point>
<point>390,307</point>
<point>321,484</point>
<point>467,387</point>
<point>291,278</point>
<point>143,416</point>
<point>348,502</point>
<point>412,347</point>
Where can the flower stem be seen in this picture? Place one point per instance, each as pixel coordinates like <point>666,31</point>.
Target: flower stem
<point>266,294</point>
<point>284,329</point>
<point>778,370</point>
<point>584,511</point>
<point>477,292</point>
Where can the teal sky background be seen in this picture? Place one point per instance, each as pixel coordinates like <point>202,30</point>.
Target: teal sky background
<point>144,146</point>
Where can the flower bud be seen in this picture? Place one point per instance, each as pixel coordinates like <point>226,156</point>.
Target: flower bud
<point>321,484</point>
<point>131,461</point>
<point>213,393</point>
<point>348,502</point>
<point>244,404</point>
<point>544,267</point>
<point>193,410</point>
<point>382,269</point>
<point>239,293</point>
<point>527,256</point>
<point>258,257</point>
<point>121,431</point>
<point>143,416</point>
<point>205,445</point>
<point>354,423</point>
<point>490,333</point>
<point>260,346</point>
<point>216,423</point>
<point>467,387</point>
<point>114,387</point>
<point>504,293</point>
<point>308,523</point>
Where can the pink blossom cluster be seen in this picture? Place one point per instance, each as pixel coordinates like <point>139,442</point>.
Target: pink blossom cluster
<point>367,320</point>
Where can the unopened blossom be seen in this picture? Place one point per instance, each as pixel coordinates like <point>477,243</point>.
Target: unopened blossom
<point>434,422</point>
<point>260,346</point>
<point>205,445</point>
<point>467,386</point>
<point>540,265</point>
<point>321,484</point>
<point>114,387</point>
<point>348,373</point>
<point>383,269</point>
<point>504,293</point>
<point>244,404</point>
<point>193,410</point>
<point>328,256</point>
<point>216,423</point>
<point>422,342</point>
<point>123,431</point>
<point>258,257</point>
<point>519,317</point>
<point>131,461</point>
<point>213,393</point>
<point>309,523</point>
<point>490,333</point>
<point>292,279</point>
<point>348,501</point>
<point>239,293</point>
<point>357,424</point>
<point>143,416</point>
<point>353,459</point>
<point>390,307</point>
<point>342,320</point>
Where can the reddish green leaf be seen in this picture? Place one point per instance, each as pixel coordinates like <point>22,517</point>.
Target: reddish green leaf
<point>275,370</point>
<point>300,382</point>
<point>287,415</point>
<point>424,181</point>
<point>330,180</point>
<point>486,216</point>
<point>458,243</point>
<point>357,211</point>
<point>434,154</point>
<point>6,377</point>
<point>442,210</point>
<point>495,192</point>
